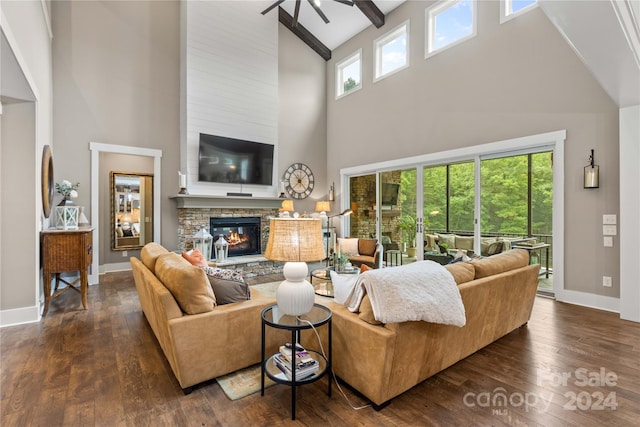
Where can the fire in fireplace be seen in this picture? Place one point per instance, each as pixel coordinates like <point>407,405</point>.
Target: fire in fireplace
<point>242,234</point>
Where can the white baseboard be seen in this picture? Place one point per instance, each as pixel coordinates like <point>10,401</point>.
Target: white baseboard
<point>19,316</point>
<point>589,300</point>
<point>119,266</point>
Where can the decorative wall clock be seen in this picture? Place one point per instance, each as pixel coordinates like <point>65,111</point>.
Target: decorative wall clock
<point>299,181</point>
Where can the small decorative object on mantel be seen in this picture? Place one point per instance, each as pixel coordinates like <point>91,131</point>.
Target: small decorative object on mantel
<point>66,217</point>
<point>202,241</point>
<point>182,180</point>
<point>221,248</point>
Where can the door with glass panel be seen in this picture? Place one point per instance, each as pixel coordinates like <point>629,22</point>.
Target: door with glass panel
<point>398,216</point>
<point>448,207</point>
<point>516,199</point>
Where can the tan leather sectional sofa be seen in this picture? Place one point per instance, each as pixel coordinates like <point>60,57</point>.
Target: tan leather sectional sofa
<point>382,361</point>
<point>203,346</point>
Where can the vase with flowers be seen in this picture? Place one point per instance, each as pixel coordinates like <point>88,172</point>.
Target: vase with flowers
<point>68,191</point>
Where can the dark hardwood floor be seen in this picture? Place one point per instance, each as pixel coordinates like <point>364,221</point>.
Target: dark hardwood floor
<point>103,366</point>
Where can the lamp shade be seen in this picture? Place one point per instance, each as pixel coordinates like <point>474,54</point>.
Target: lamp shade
<point>287,205</point>
<point>295,241</point>
<point>323,206</point>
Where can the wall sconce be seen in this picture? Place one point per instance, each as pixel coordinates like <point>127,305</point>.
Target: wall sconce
<point>332,194</point>
<point>591,173</point>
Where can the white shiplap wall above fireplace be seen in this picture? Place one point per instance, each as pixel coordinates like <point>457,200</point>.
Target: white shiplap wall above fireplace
<point>229,83</point>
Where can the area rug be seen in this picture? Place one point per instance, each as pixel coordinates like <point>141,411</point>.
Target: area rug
<point>242,383</point>
<point>267,288</point>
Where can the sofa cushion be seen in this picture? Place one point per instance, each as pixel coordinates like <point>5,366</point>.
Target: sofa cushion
<point>367,246</point>
<point>228,285</point>
<point>366,312</point>
<point>348,246</point>
<point>150,253</point>
<point>496,264</point>
<point>462,272</point>
<point>464,242</point>
<point>188,284</point>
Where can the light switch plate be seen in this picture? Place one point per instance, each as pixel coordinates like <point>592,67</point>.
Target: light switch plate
<point>608,241</point>
<point>610,219</point>
<point>609,230</point>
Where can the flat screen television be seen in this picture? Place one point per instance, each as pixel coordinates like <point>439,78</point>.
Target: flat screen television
<point>234,161</point>
<point>389,196</point>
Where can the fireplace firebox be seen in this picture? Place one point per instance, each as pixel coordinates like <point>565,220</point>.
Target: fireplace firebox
<point>241,233</point>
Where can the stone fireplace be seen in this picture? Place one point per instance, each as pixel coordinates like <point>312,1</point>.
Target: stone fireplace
<point>228,215</point>
<point>243,234</point>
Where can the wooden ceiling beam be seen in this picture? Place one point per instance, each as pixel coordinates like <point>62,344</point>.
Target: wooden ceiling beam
<point>371,11</point>
<point>304,34</point>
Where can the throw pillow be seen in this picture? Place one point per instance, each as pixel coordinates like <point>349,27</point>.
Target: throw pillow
<point>195,257</point>
<point>367,246</point>
<point>228,285</point>
<point>494,248</point>
<point>348,246</point>
<point>448,239</point>
<point>364,267</point>
<point>464,242</point>
<point>342,286</point>
<point>188,284</point>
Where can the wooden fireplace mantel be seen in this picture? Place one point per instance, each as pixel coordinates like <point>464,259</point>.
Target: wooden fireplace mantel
<point>189,201</point>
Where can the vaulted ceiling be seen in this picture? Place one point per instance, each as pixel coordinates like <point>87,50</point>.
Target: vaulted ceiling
<point>604,34</point>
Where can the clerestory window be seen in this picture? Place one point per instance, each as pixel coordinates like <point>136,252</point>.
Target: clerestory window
<point>391,52</point>
<point>448,23</point>
<point>349,74</point>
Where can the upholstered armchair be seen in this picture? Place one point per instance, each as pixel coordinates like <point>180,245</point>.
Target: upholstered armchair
<point>369,251</point>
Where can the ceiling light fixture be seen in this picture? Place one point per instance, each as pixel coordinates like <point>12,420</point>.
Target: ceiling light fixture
<point>315,4</point>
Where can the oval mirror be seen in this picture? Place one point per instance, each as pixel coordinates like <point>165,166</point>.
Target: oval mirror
<point>131,210</point>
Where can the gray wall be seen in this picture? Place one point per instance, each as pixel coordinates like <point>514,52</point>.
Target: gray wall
<point>302,117</point>
<point>116,81</point>
<point>515,79</point>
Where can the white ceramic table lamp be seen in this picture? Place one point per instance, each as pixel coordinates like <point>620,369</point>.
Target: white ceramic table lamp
<point>295,241</point>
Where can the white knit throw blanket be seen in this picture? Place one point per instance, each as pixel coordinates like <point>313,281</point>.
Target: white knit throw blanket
<point>423,290</point>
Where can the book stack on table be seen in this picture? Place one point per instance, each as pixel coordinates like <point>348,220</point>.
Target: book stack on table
<point>305,364</point>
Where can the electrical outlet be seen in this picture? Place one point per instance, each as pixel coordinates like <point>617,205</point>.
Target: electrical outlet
<point>606,281</point>
<point>124,253</point>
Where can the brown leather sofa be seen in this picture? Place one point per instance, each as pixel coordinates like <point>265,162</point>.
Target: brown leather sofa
<point>206,345</point>
<point>382,361</point>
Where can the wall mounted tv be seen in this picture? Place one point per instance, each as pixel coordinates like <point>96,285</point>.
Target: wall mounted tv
<point>389,196</point>
<point>234,161</point>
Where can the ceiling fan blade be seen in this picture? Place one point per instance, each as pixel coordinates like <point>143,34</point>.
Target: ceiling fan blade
<point>264,12</point>
<point>296,12</point>
<point>347,2</point>
<point>319,11</point>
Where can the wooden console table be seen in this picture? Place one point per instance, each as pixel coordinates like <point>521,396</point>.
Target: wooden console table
<point>65,251</point>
